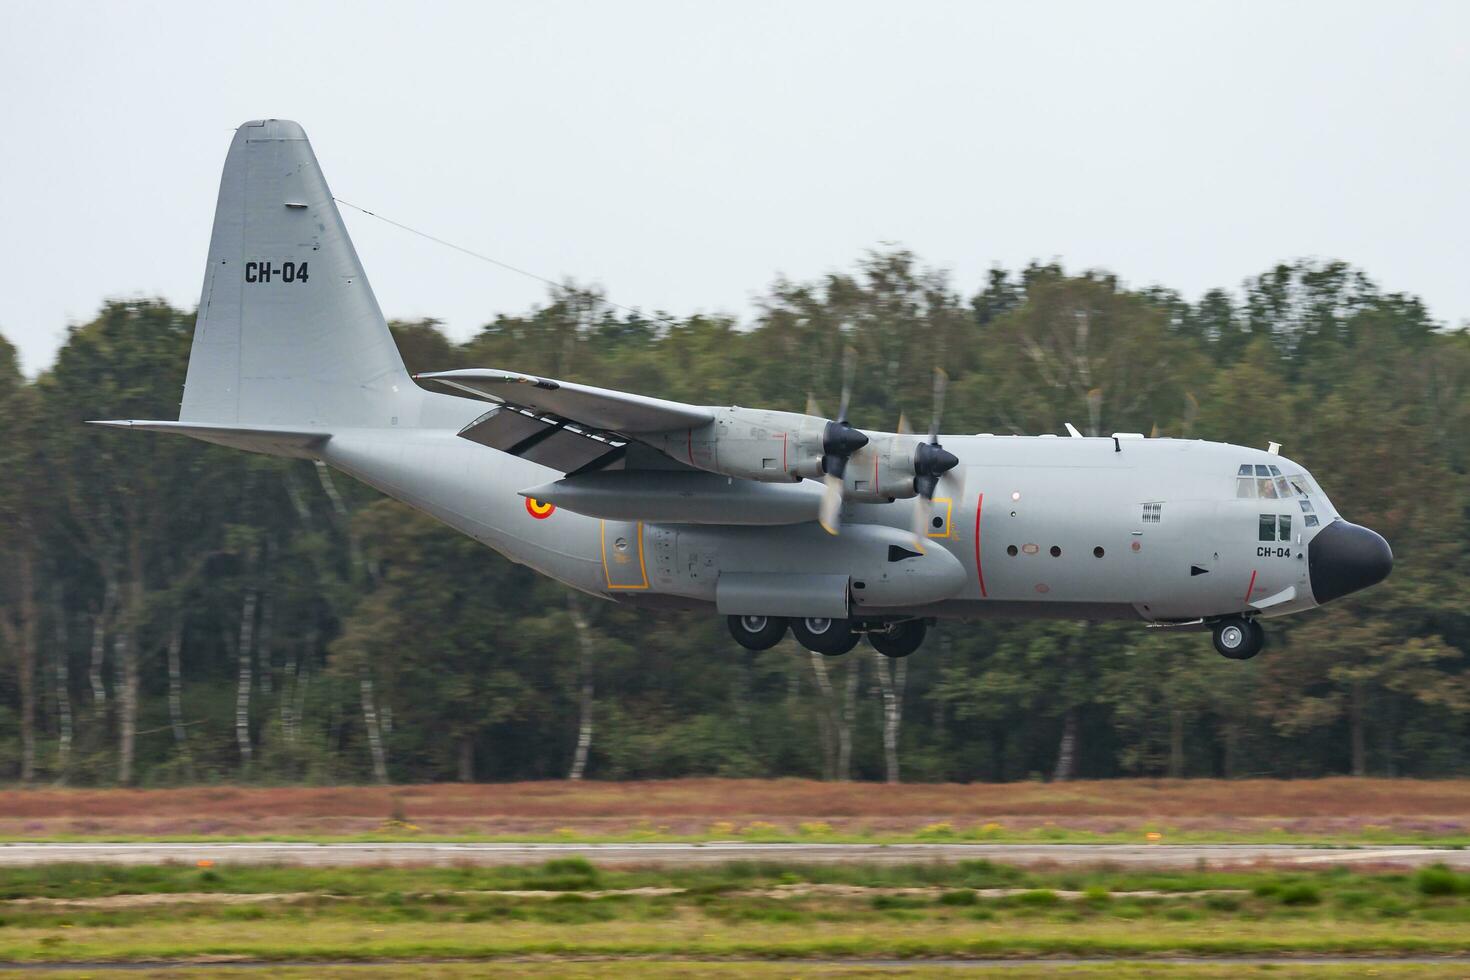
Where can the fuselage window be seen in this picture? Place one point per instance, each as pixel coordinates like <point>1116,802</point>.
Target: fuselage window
<point>1268,527</point>
<point>1285,525</point>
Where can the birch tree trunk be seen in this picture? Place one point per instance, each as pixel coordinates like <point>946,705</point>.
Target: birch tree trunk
<point>63,690</point>
<point>844,726</point>
<point>467,759</point>
<point>242,681</point>
<point>125,650</point>
<point>100,621</point>
<point>826,717</point>
<point>176,689</point>
<point>892,678</point>
<point>18,630</point>
<point>1357,719</point>
<point>263,654</point>
<point>374,734</point>
<point>1067,751</point>
<point>1176,744</point>
<point>584,670</point>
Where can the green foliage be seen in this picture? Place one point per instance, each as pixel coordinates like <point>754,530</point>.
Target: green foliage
<point>382,644</point>
<point>1439,880</point>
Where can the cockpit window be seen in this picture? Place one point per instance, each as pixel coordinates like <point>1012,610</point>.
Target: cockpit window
<point>1259,480</point>
<point>1245,481</point>
<point>1265,485</point>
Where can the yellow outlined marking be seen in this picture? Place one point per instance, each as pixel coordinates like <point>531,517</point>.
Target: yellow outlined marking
<point>948,518</point>
<point>606,573</point>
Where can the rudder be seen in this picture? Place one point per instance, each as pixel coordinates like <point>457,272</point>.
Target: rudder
<point>289,332</point>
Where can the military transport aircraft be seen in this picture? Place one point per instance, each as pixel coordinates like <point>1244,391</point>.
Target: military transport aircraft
<point>775,520</point>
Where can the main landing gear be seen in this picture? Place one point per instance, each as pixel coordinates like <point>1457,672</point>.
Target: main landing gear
<point>829,637</point>
<point>1239,638</point>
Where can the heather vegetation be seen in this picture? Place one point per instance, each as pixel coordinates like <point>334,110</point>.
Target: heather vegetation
<point>172,612</point>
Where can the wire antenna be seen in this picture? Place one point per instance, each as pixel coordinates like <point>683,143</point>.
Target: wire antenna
<point>499,264</point>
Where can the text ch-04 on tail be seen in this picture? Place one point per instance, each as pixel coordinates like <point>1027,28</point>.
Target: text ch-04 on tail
<point>775,520</point>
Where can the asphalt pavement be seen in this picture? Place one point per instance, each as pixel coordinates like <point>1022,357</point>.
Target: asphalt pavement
<point>1122,855</point>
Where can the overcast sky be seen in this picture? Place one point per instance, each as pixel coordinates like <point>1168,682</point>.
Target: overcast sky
<point>682,155</point>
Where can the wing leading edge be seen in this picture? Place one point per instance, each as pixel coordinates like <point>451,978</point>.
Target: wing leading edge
<point>601,409</point>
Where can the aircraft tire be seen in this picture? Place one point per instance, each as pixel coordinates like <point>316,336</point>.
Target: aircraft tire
<point>1238,639</point>
<point>829,637</point>
<point>900,639</point>
<point>757,632</point>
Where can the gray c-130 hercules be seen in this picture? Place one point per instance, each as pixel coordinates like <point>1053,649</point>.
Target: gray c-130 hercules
<point>776,520</point>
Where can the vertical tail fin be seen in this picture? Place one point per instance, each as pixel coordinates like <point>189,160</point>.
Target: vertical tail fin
<point>289,333</point>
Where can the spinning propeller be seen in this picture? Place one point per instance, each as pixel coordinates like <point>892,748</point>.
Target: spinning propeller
<point>931,461</point>
<point>839,441</point>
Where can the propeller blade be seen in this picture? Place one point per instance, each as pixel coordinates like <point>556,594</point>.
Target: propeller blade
<point>922,510</point>
<point>903,425</point>
<point>849,367</point>
<point>941,382</point>
<point>812,408</point>
<point>829,515</point>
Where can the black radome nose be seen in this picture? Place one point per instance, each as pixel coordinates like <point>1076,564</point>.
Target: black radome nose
<point>1344,558</point>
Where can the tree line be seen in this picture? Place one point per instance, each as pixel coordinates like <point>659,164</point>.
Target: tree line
<point>174,612</point>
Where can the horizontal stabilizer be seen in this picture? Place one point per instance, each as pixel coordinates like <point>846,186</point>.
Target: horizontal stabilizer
<point>597,408</point>
<point>268,439</point>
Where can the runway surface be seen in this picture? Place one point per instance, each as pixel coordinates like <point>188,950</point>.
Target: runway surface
<point>1125,855</point>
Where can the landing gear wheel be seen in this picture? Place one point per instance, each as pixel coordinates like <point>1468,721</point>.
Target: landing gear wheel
<point>830,637</point>
<point>757,632</point>
<point>899,639</point>
<point>1239,639</point>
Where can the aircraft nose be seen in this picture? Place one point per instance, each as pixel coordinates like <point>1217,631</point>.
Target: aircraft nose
<point>1344,558</point>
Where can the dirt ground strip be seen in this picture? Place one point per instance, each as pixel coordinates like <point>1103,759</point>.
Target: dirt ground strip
<point>810,890</point>
<point>1327,807</point>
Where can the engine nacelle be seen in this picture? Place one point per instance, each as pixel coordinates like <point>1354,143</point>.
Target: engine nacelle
<point>782,447</point>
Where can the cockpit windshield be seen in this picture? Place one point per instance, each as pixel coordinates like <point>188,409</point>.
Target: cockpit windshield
<point>1267,482</point>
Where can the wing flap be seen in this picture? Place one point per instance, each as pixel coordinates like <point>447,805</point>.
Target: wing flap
<point>547,440</point>
<point>597,408</point>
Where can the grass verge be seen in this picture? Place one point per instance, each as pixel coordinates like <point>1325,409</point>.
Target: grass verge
<point>970,909</point>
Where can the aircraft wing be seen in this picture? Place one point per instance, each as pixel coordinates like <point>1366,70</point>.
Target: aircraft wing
<point>570,427</point>
<point>596,408</point>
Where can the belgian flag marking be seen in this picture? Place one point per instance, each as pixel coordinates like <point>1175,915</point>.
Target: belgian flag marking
<point>539,510</point>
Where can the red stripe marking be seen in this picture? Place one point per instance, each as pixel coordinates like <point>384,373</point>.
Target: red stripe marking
<point>979,502</point>
<point>1250,588</point>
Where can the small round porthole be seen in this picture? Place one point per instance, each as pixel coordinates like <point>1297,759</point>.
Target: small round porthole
<point>1097,552</point>
<point>621,544</point>
<point>1056,552</point>
<point>938,523</point>
<point>1011,551</point>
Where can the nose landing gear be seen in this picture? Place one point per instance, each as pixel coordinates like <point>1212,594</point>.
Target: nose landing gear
<point>1238,638</point>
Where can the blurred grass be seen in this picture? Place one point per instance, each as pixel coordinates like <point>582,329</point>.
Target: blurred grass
<point>670,969</point>
<point>756,910</point>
